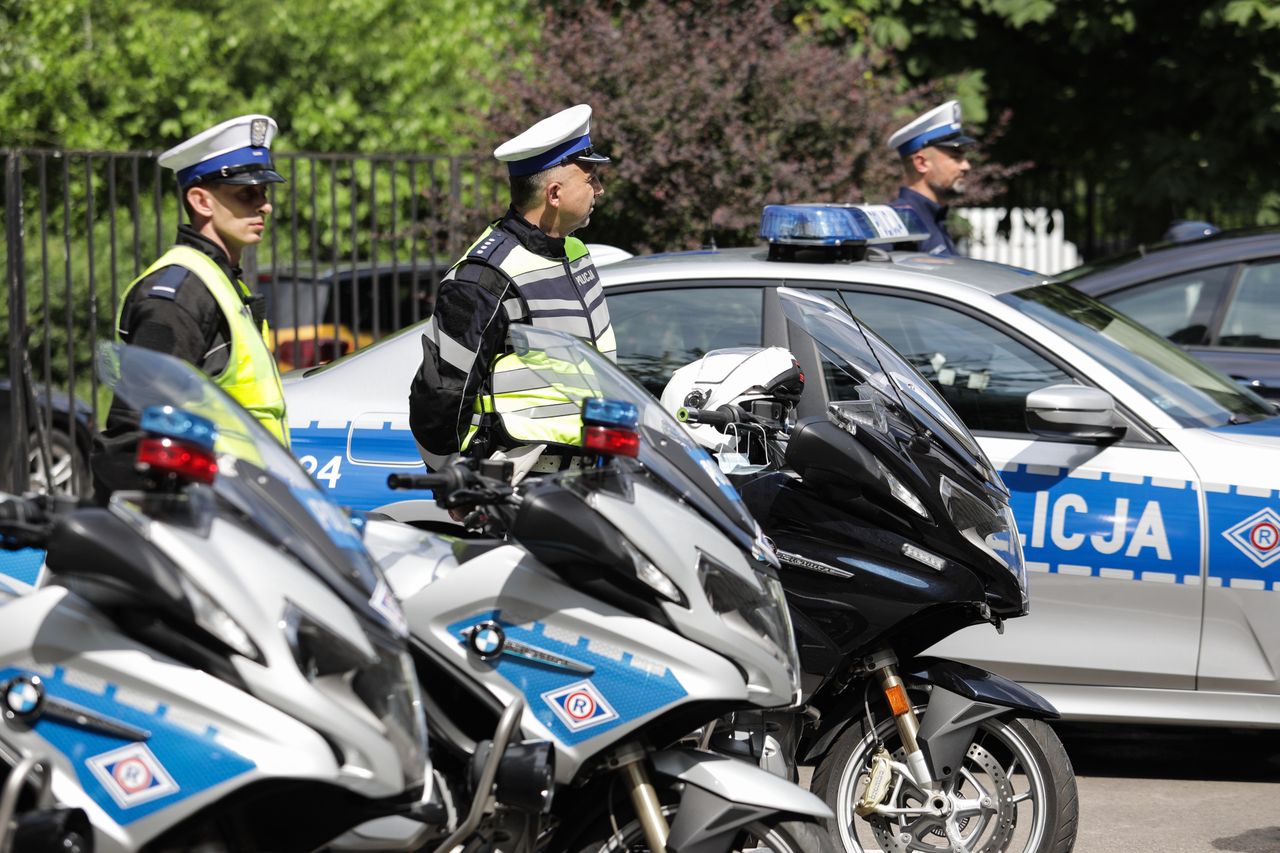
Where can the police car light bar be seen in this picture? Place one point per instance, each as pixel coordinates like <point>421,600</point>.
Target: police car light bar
<point>837,225</point>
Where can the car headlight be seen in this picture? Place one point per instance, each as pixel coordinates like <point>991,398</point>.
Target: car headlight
<point>988,525</point>
<point>755,606</point>
<point>385,682</point>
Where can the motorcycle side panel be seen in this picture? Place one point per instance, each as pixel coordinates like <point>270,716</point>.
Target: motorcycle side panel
<point>616,671</point>
<point>203,738</point>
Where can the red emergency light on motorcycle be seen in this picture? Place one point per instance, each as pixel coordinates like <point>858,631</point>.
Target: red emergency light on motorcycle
<point>609,427</point>
<point>178,444</point>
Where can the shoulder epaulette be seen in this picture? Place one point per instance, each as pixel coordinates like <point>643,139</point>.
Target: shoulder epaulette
<point>165,282</point>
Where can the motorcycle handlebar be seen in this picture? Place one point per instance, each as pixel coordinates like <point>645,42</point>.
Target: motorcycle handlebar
<point>419,481</point>
<point>718,418</point>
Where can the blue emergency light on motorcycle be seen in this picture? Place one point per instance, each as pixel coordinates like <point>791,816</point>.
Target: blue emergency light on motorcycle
<point>839,225</point>
<point>180,425</point>
<point>609,427</point>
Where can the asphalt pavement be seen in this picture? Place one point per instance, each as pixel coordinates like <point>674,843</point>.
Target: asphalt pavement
<point>1173,790</point>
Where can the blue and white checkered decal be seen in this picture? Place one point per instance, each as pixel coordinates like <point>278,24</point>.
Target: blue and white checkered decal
<point>127,779</point>
<point>1111,525</point>
<point>622,688</point>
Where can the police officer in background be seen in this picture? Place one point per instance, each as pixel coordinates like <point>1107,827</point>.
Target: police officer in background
<point>932,151</point>
<point>191,302</point>
<point>525,268</point>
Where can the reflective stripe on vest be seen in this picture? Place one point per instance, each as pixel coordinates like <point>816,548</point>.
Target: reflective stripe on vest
<point>250,377</point>
<point>561,294</point>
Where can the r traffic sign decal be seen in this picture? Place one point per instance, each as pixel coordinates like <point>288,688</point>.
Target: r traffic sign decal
<point>132,775</point>
<point>580,706</point>
<point>1258,536</point>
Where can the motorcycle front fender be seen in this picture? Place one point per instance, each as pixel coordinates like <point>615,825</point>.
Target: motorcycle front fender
<point>978,685</point>
<point>963,696</point>
<point>722,794</point>
<point>958,688</point>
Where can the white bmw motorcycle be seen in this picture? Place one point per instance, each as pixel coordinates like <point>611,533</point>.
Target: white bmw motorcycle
<point>215,662</point>
<point>624,601</point>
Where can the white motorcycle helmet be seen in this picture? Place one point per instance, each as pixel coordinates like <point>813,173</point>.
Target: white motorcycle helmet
<point>764,382</point>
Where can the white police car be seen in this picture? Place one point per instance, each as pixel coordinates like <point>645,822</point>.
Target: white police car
<point>1148,494</point>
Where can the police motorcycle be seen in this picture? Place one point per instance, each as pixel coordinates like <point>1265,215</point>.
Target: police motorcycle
<point>215,661</point>
<point>894,532</point>
<point>624,600</point>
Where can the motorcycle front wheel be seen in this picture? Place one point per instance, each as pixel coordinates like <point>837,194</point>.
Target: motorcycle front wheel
<point>1015,792</point>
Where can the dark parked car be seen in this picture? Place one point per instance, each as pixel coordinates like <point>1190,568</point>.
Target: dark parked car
<point>315,319</point>
<point>70,439</point>
<point>1217,297</point>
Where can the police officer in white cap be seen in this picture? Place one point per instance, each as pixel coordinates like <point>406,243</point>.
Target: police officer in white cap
<point>191,302</point>
<point>471,394</point>
<point>934,164</point>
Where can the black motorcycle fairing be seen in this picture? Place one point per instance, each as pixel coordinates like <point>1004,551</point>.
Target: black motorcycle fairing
<point>848,583</point>
<point>847,473</point>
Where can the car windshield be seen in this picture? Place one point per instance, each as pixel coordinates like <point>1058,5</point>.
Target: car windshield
<point>863,353</point>
<point>667,451</point>
<point>256,474</point>
<point>1190,392</point>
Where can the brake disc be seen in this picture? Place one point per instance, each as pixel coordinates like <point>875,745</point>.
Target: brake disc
<point>927,835</point>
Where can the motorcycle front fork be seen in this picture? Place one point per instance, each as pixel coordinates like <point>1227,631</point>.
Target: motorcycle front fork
<point>629,760</point>
<point>884,669</point>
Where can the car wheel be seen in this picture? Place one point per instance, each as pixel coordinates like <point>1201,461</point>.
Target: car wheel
<point>68,469</point>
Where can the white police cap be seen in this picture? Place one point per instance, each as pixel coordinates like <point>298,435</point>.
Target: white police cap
<point>554,140</point>
<point>238,151</point>
<point>940,126</point>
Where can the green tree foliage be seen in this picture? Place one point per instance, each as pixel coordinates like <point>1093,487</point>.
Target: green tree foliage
<point>711,110</point>
<point>338,75</point>
<point>1169,109</point>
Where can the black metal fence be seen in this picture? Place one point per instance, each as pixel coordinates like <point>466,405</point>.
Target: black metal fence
<point>354,250</point>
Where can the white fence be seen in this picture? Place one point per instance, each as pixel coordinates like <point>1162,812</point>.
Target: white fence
<point>1033,238</point>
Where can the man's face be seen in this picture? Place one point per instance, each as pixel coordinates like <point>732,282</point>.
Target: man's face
<point>579,188</point>
<point>239,212</point>
<point>947,169</point>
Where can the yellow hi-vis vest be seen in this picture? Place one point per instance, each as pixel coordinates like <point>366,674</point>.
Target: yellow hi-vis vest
<point>250,377</point>
<point>554,294</point>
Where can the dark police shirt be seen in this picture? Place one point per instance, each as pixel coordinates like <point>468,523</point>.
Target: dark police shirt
<point>934,217</point>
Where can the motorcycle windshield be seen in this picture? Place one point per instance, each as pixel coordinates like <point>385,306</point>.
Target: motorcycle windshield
<point>577,372</point>
<point>869,359</point>
<point>257,476</point>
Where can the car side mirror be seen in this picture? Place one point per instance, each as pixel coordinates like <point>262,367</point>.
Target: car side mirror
<point>1076,412</point>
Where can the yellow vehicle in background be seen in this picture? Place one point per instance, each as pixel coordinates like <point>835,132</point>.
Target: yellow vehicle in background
<point>317,318</point>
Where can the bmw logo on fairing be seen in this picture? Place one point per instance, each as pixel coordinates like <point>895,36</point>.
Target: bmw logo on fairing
<point>23,698</point>
<point>487,639</point>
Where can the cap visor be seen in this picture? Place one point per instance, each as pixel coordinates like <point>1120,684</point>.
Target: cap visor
<point>591,158</point>
<point>261,176</point>
<point>961,141</point>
